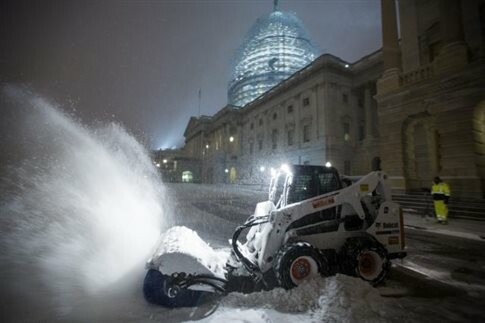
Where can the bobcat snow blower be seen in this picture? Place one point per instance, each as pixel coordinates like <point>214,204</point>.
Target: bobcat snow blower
<point>312,225</point>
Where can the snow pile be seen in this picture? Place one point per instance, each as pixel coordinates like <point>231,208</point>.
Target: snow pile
<point>299,299</point>
<point>349,299</point>
<point>182,250</point>
<point>254,316</point>
<point>338,298</point>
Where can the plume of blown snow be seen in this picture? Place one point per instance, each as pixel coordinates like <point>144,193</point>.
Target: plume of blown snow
<point>83,207</point>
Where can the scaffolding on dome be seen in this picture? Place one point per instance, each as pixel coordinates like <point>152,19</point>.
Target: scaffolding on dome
<point>276,47</point>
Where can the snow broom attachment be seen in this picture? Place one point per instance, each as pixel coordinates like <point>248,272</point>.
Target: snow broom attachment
<point>177,256</point>
<point>174,290</point>
<point>181,250</point>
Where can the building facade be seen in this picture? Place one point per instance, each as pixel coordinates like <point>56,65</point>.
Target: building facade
<point>216,142</point>
<point>175,165</point>
<point>418,105</point>
<point>431,94</point>
<point>323,113</point>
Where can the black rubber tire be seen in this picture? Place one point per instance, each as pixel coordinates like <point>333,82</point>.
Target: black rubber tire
<point>289,253</point>
<point>353,251</point>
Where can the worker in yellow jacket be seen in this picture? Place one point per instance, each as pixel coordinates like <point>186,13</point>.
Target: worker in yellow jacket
<point>441,195</point>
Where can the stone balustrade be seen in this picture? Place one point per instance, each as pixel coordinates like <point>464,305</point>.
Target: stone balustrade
<point>415,76</point>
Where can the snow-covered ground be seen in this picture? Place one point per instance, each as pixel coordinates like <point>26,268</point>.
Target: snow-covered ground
<point>214,212</point>
<point>333,299</point>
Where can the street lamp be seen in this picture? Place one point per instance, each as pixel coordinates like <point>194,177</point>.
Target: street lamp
<point>207,146</point>
<point>231,139</point>
<point>226,170</point>
<point>164,161</point>
<point>328,164</point>
<point>262,169</point>
<point>158,165</point>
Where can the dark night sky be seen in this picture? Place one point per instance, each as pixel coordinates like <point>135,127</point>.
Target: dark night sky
<point>141,62</point>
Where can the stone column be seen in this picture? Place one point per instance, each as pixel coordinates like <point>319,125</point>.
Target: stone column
<point>390,48</point>
<point>390,45</point>
<point>453,54</point>
<point>451,24</point>
<point>410,57</point>
<point>369,116</point>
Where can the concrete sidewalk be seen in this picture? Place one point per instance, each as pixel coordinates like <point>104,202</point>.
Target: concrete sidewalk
<point>459,228</point>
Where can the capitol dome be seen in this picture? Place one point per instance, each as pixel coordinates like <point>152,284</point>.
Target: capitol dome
<point>274,48</point>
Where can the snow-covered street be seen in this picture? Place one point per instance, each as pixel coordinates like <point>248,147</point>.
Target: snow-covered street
<point>441,279</point>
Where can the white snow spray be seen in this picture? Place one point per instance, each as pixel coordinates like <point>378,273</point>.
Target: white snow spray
<point>81,209</point>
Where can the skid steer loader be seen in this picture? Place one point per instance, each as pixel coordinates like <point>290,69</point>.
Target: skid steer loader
<point>314,223</point>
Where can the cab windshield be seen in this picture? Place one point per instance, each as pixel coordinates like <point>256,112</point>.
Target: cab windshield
<point>312,181</point>
<point>302,183</point>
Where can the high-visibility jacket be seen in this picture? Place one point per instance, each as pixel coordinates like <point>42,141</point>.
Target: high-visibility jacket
<point>440,191</point>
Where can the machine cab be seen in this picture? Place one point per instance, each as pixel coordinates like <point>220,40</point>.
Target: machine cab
<point>297,183</point>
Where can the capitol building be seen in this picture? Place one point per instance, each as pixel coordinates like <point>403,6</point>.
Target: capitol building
<point>417,105</point>
<point>276,47</point>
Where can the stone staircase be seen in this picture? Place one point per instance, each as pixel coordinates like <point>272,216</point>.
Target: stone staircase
<point>422,203</point>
